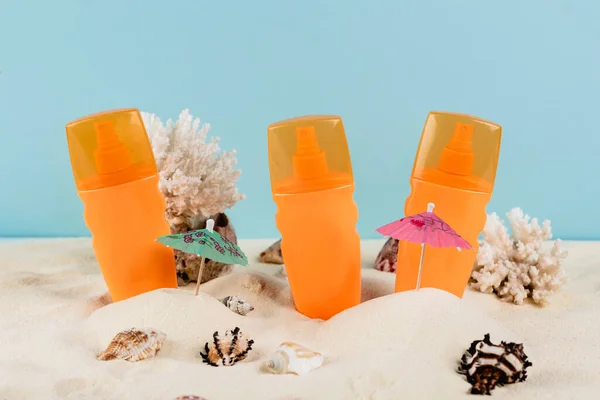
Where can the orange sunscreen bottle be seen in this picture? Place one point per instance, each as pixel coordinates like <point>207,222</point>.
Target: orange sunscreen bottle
<point>455,169</point>
<point>313,186</point>
<point>117,181</point>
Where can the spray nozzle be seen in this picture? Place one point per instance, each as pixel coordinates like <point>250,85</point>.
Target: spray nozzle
<point>457,157</point>
<point>111,154</point>
<point>106,135</point>
<point>306,141</point>
<point>462,138</point>
<point>309,161</point>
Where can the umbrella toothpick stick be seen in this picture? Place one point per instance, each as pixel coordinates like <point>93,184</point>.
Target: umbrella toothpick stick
<point>210,224</point>
<point>430,207</point>
<point>420,266</point>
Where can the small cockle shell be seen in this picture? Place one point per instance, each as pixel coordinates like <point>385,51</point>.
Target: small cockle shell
<point>134,345</point>
<point>272,255</point>
<point>487,365</point>
<point>228,350</point>
<point>189,397</point>
<point>237,305</point>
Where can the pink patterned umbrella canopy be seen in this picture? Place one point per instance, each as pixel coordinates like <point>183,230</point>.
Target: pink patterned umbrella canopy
<point>425,228</point>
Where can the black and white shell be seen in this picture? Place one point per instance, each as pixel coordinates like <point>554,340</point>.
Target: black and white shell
<point>487,365</point>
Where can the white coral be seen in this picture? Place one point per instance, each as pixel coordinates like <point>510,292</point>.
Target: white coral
<point>197,178</point>
<point>519,266</point>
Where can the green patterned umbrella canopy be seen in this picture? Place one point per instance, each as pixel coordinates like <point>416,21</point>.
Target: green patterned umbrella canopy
<point>206,243</point>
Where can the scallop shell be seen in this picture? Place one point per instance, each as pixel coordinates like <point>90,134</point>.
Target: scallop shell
<point>487,365</point>
<point>134,345</point>
<point>272,254</point>
<point>237,305</point>
<point>227,351</point>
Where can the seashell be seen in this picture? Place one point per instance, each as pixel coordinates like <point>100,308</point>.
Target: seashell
<point>189,397</point>
<point>134,345</point>
<point>487,365</point>
<point>227,351</point>
<point>273,254</point>
<point>283,272</point>
<point>387,259</point>
<point>293,358</point>
<point>237,305</point>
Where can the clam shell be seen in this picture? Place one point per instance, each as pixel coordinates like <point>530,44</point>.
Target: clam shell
<point>134,345</point>
<point>237,305</point>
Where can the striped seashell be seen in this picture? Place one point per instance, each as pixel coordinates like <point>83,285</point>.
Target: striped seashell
<point>228,350</point>
<point>487,365</point>
<point>134,345</point>
<point>237,305</point>
<point>189,397</point>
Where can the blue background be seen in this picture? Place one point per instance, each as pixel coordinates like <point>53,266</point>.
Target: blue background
<point>532,66</point>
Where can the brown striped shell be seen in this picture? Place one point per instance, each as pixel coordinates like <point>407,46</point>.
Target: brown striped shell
<point>189,397</point>
<point>228,350</point>
<point>487,365</point>
<point>134,345</point>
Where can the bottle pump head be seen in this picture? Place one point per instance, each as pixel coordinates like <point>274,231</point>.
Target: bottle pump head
<point>111,154</point>
<point>457,157</point>
<point>309,161</point>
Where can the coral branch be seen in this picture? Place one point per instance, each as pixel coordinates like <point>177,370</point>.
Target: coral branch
<point>520,266</point>
<point>197,178</point>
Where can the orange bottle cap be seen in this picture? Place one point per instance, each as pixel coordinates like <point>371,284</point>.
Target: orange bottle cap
<point>109,148</point>
<point>459,151</point>
<point>308,154</point>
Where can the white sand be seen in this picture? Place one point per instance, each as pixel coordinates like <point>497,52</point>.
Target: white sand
<point>395,346</point>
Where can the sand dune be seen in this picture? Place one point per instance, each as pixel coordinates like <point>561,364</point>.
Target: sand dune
<point>392,346</point>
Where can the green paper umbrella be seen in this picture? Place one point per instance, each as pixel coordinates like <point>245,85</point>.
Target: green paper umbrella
<point>207,244</point>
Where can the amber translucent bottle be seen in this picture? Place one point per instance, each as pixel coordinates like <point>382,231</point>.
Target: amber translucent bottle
<point>455,168</point>
<point>117,181</point>
<point>313,186</point>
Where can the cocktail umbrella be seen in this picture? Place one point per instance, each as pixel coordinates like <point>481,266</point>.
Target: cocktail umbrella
<point>206,243</point>
<point>426,229</point>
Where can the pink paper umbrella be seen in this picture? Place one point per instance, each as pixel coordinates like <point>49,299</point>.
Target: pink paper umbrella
<point>425,229</point>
